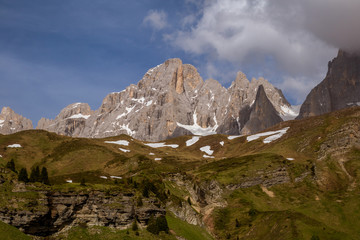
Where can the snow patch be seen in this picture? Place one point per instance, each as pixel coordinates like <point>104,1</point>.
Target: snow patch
<point>127,129</point>
<point>115,177</point>
<point>206,156</point>
<point>69,181</point>
<point>152,154</point>
<point>16,145</point>
<point>79,116</point>
<point>192,141</point>
<point>252,103</point>
<point>124,150</point>
<point>119,142</point>
<point>289,113</point>
<point>128,110</point>
<point>198,130</point>
<point>207,150</point>
<point>158,159</point>
<point>103,177</point>
<point>290,159</point>
<point>152,69</point>
<point>148,103</point>
<point>159,145</point>
<point>2,121</point>
<point>139,100</point>
<point>274,135</point>
<point>233,137</point>
<point>75,105</point>
<point>222,143</point>
<point>349,104</point>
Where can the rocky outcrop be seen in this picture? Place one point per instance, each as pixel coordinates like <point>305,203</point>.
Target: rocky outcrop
<point>339,89</point>
<point>70,121</point>
<point>11,122</point>
<point>260,115</point>
<point>266,179</point>
<point>170,100</point>
<point>341,141</point>
<point>56,210</point>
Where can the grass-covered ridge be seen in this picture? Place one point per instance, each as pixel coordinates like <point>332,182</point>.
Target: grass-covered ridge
<point>305,183</point>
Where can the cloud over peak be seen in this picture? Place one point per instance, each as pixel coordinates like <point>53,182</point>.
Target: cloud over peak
<point>157,19</point>
<point>295,38</point>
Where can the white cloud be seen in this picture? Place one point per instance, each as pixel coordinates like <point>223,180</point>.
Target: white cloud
<point>299,37</point>
<point>156,19</point>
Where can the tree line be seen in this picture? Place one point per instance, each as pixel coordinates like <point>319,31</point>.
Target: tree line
<point>35,175</point>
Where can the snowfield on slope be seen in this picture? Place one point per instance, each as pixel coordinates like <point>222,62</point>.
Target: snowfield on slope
<point>119,142</point>
<point>192,141</point>
<point>16,145</point>
<point>198,130</point>
<point>79,116</point>
<point>207,150</point>
<point>124,150</point>
<point>274,135</point>
<point>159,145</point>
<point>289,113</point>
<point>234,136</point>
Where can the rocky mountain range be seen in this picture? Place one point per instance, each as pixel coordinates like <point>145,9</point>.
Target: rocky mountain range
<point>11,122</point>
<point>171,100</point>
<point>339,89</point>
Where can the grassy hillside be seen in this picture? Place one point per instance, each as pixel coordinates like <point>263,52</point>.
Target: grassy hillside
<point>8,232</point>
<point>320,157</point>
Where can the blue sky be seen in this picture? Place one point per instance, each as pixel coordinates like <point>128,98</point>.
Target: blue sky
<point>54,53</point>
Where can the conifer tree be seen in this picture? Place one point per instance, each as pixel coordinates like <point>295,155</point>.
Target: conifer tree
<point>11,165</point>
<point>44,176</point>
<point>35,175</point>
<point>82,182</point>
<point>145,191</point>
<point>237,223</point>
<point>23,175</point>
<point>152,227</point>
<point>134,226</point>
<point>162,224</point>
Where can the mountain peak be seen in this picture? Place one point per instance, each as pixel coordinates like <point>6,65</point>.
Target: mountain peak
<point>170,100</point>
<point>11,122</point>
<point>339,89</point>
<point>262,113</point>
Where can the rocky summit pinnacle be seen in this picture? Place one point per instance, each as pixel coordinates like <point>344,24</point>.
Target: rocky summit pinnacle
<point>170,100</point>
<point>339,89</point>
<point>11,122</point>
<point>260,115</point>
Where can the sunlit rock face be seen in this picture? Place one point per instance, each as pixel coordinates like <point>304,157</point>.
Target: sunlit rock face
<point>11,122</point>
<point>170,100</point>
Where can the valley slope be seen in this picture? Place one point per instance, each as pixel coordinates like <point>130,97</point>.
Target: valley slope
<point>296,180</point>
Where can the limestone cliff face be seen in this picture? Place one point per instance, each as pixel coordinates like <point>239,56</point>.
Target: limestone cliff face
<point>56,210</point>
<point>339,89</point>
<point>11,122</point>
<point>170,100</point>
<point>70,121</point>
<point>261,114</point>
